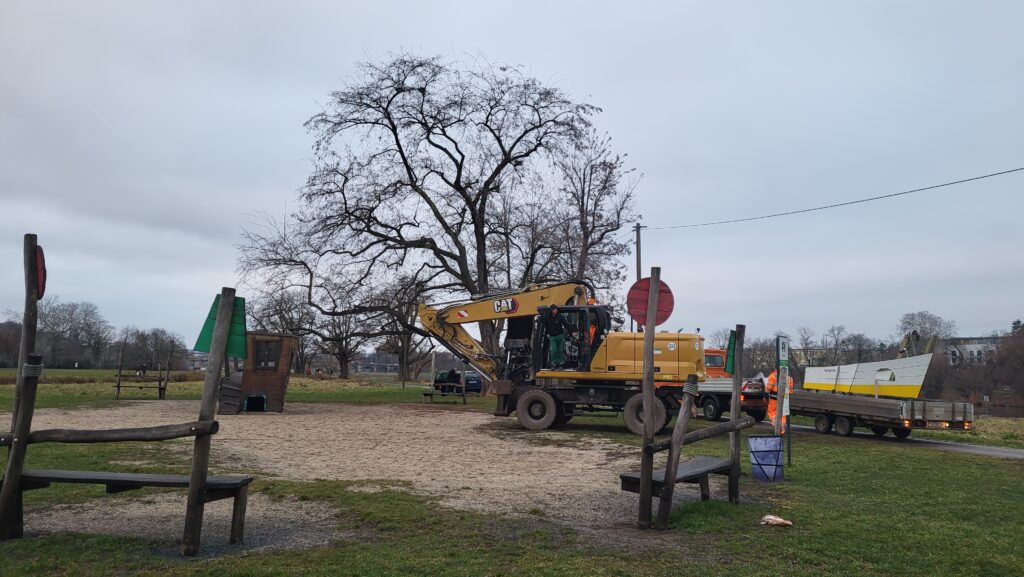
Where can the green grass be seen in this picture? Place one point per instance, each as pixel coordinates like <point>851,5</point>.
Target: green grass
<point>860,507</point>
<point>996,431</point>
<point>300,389</point>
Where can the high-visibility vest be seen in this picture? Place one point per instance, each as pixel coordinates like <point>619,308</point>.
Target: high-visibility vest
<point>772,385</point>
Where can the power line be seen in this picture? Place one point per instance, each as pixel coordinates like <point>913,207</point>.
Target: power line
<point>848,203</point>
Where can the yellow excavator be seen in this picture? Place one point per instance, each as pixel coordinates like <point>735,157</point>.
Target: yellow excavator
<point>599,369</point>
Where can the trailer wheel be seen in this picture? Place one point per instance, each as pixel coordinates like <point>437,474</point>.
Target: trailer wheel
<point>712,411</point>
<point>823,424</point>
<point>633,414</point>
<point>879,431</point>
<point>758,415</point>
<point>536,410</point>
<point>900,432</point>
<point>844,426</point>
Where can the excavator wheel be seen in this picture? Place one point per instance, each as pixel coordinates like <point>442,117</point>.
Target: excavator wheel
<point>565,412</point>
<point>536,410</point>
<point>633,414</point>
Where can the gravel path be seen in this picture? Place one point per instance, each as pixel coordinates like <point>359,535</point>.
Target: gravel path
<point>468,460</point>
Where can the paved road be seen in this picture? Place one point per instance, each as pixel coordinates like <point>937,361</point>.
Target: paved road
<point>1002,452</point>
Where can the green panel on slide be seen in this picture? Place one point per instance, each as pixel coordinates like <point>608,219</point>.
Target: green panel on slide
<point>236,337</point>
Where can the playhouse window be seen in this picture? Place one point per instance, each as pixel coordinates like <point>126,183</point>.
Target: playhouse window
<point>267,353</point>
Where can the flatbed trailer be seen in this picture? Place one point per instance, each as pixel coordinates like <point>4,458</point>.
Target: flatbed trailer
<point>844,412</point>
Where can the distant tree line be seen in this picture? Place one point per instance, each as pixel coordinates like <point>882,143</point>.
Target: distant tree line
<point>75,335</point>
<point>1003,370</point>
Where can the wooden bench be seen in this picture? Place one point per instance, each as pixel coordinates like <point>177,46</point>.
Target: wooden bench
<point>430,395</point>
<point>217,487</point>
<point>161,387</point>
<point>694,470</point>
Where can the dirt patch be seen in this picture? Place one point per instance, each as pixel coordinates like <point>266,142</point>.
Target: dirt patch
<point>270,523</point>
<point>459,457</point>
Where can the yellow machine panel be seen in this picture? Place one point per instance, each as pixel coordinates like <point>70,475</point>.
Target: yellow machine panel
<point>621,357</point>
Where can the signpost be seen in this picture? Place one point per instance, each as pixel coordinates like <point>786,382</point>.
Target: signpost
<point>782,384</point>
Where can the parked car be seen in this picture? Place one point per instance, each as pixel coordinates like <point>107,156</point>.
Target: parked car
<point>449,381</point>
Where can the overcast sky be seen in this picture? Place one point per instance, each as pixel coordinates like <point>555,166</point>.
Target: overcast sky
<point>138,138</point>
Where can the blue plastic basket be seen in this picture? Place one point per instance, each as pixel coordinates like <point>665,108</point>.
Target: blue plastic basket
<point>766,457</point>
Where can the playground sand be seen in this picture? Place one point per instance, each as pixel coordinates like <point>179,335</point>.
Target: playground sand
<point>467,460</point>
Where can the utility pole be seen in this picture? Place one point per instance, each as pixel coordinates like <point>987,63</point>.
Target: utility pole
<point>636,228</point>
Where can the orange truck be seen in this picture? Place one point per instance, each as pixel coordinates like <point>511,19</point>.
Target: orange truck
<point>716,390</point>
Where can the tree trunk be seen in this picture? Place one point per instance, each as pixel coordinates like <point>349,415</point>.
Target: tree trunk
<point>343,364</point>
<point>404,344</point>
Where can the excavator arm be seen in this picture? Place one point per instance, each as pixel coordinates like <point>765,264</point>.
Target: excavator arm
<point>446,322</point>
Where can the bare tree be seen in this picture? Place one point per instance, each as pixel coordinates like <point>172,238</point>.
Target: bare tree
<point>860,348</point>
<point>927,325</point>
<point>410,160</point>
<point>425,175</point>
<point>597,188</point>
<point>719,338</point>
<point>834,340</point>
<point>805,337</point>
<point>342,337</point>
<point>71,332</point>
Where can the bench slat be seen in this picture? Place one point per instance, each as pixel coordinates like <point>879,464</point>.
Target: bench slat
<point>130,479</point>
<point>690,470</point>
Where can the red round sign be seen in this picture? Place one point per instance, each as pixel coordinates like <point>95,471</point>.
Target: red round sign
<point>636,301</point>
<point>40,272</point>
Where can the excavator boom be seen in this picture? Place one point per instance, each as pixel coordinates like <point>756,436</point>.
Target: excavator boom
<point>446,321</point>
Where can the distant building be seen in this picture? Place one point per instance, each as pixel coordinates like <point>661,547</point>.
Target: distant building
<point>968,350</point>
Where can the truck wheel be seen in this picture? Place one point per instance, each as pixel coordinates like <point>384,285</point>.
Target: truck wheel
<point>823,424</point>
<point>633,414</point>
<point>536,410</point>
<point>900,432</point>
<point>758,415</point>
<point>844,426</point>
<point>879,431</point>
<point>712,411</point>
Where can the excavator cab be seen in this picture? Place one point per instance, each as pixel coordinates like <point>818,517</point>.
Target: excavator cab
<point>589,325</point>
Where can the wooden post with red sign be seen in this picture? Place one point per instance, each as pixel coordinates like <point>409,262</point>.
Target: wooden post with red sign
<point>24,391</point>
<point>646,458</point>
<point>35,287</point>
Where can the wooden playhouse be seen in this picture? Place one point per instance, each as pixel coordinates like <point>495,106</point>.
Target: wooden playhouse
<point>263,382</point>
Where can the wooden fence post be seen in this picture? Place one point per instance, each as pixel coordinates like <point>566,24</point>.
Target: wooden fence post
<point>11,514</point>
<point>674,452</point>
<point>120,363</point>
<point>646,457</point>
<point>28,321</point>
<point>201,453</point>
<point>734,414</point>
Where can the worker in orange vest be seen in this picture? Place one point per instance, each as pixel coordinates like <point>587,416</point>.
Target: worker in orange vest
<point>772,388</point>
